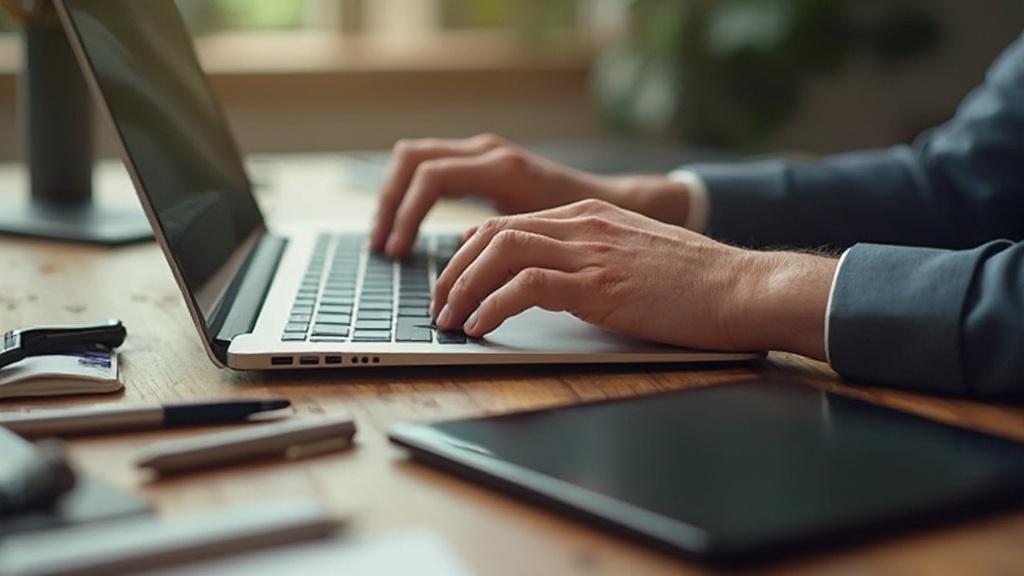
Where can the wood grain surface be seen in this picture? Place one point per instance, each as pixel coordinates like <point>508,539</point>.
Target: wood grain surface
<point>43,282</point>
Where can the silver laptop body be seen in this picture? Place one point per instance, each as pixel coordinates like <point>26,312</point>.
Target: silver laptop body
<point>283,299</point>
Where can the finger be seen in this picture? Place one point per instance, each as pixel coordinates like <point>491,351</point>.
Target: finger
<point>406,156</point>
<point>552,290</point>
<point>510,252</point>
<point>484,175</point>
<point>478,242</point>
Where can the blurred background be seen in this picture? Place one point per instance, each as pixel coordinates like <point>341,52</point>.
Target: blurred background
<point>747,76</point>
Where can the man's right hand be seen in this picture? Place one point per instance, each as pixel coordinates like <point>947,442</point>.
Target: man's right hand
<point>516,181</point>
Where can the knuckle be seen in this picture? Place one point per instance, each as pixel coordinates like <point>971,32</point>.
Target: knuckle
<point>403,147</point>
<point>488,308</point>
<point>489,140</point>
<point>602,282</point>
<point>431,170</point>
<point>459,292</point>
<point>593,205</point>
<point>532,279</point>
<point>492,226</point>
<point>510,239</point>
<point>596,224</point>
<point>511,159</point>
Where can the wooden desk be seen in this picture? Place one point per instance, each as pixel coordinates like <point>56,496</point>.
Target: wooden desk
<point>45,282</point>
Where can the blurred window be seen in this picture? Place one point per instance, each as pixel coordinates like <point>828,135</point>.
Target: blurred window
<point>281,34</point>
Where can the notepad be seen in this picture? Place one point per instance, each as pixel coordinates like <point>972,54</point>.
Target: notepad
<point>58,375</point>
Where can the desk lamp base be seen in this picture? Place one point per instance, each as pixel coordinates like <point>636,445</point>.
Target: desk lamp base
<point>87,223</point>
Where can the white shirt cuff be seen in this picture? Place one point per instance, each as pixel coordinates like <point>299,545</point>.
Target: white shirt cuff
<point>700,204</point>
<point>828,307</point>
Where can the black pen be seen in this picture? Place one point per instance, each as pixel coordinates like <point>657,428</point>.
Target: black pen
<point>135,417</point>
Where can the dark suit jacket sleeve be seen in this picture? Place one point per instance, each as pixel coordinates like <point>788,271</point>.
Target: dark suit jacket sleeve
<point>949,318</point>
<point>939,320</point>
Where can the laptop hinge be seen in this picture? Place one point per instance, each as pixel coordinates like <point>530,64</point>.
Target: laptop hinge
<point>240,307</point>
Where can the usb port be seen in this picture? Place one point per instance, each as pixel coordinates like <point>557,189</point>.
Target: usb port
<point>332,359</point>
<point>281,360</point>
<point>309,360</point>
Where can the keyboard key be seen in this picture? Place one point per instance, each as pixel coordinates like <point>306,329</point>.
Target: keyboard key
<point>296,327</point>
<point>375,315</point>
<point>299,318</point>
<point>338,301</point>
<point>372,336</point>
<point>413,312</point>
<point>335,309</point>
<point>302,309</point>
<point>413,330</point>
<point>337,319</point>
<point>330,330</point>
<point>413,301</point>
<point>451,337</point>
<point>385,298</point>
<point>413,298</point>
<point>372,324</point>
<point>292,337</point>
<point>375,306</point>
<point>328,339</point>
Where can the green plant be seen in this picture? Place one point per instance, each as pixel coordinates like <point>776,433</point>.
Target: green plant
<point>729,73</point>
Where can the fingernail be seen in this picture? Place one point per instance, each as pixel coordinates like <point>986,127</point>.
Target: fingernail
<point>471,322</point>
<point>433,308</point>
<point>444,317</point>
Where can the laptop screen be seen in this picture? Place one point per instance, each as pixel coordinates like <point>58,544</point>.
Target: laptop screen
<point>174,132</point>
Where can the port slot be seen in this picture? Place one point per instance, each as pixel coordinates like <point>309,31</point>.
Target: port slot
<point>332,359</point>
<point>309,360</point>
<point>281,360</point>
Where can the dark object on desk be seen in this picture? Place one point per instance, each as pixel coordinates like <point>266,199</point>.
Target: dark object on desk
<point>89,501</point>
<point>20,344</point>
<point>33,478</point>
<point>734,473</point>
<point>103,419</point>
<point>58,141</point>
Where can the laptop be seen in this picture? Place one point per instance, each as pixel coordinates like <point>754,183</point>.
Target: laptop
<point>263,299</point>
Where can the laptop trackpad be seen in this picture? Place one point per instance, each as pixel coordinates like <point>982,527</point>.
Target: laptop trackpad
<point>538,330</point>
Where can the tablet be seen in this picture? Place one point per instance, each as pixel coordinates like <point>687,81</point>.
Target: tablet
<point>733,473</point>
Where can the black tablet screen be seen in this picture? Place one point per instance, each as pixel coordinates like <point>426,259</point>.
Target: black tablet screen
<point>751,466</point>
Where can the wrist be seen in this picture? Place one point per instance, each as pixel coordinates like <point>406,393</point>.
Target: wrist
<point>780,302</point>
<point>653,196</point>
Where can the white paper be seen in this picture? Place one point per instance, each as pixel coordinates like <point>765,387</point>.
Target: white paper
<point>86,373</point>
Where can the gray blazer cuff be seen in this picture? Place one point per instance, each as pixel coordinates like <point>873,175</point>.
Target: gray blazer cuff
<point>896,316</point>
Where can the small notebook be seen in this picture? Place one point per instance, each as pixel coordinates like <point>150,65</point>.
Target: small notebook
<point>58,375</point>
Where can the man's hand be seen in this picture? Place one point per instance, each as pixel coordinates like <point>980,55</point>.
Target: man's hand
<point>636,276</point>
<point>516,181</point>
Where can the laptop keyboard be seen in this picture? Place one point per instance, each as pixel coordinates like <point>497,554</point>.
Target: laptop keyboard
<point>349,294</point>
